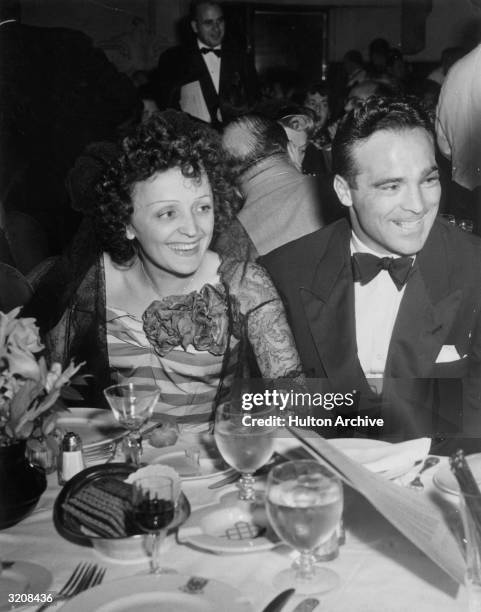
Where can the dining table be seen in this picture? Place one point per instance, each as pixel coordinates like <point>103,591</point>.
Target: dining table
<point>379,569</point>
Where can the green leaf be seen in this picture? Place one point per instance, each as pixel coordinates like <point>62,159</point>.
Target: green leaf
<point>23,399</point>
<point>25,431</point>
<point>68,393</point>
<point>49,424</point>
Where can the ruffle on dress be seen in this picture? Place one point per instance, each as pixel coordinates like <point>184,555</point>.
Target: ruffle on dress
<point>200,319</point>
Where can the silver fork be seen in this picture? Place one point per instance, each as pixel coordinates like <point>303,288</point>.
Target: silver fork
<point>101,453</point>
<point>84,576</point>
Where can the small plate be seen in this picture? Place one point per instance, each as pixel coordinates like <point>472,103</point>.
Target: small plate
<point>22,578</point>
<point>230,526</point>
<point>358,449</point>
<point>70,528</point>
<point>208,466</point>
<point>445,480</point>
<point>162,593</point>
<point>95,426</point>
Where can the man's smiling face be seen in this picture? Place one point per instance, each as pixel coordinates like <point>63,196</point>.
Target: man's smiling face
<point>394,197</point>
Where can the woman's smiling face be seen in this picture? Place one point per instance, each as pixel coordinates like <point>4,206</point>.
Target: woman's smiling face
<point>173,220</point>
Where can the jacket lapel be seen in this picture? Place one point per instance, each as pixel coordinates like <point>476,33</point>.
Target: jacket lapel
<point>208,90</point>
<point>426,313</point>
<point>329,307</point>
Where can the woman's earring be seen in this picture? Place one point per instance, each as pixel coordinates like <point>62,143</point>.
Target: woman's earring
<point>129,234</point>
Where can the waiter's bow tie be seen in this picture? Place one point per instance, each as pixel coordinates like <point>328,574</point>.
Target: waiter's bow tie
<point>366,266</point>
<point>205,50</point>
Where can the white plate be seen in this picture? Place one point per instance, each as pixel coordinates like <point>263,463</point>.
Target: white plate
<point>230,526</point>
<point>162,593</point>
<point>23,578</point>
<point>358,449</point>
<point>95,426</point>
<point>444,479</point>
<point>209,466</point>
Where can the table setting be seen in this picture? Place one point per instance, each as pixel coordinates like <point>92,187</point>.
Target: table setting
<point>193,534</point>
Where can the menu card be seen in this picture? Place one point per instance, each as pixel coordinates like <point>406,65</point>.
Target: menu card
<point>416,516</point>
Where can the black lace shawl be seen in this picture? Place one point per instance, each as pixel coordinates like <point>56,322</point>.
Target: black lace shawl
<point>69,305</point>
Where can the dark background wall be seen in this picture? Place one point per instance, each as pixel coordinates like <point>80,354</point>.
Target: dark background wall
<point>134,32</point>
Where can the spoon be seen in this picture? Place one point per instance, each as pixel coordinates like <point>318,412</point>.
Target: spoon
<point>429,462</point>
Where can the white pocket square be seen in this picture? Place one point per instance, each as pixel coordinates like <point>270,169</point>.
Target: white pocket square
<point>448,353</point>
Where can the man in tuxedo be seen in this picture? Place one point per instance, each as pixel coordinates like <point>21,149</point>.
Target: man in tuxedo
<point>207,78</point>
<point>388,304</point>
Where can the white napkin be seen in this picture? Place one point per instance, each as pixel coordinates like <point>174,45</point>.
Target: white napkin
<point>391,457</point>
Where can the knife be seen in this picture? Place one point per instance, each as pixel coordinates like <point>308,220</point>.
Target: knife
<point>279,600</point>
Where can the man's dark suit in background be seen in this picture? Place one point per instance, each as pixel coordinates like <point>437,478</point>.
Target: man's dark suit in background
<point>57,94</point>
<point>185,64</point>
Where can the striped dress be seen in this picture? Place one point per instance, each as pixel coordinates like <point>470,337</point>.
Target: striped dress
<point>187,378</point>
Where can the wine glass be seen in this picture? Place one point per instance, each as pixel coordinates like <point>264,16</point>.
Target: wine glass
<point>245,442</point>
<point>304,504</point>
<point>132,405</point>
<point>153,510</point>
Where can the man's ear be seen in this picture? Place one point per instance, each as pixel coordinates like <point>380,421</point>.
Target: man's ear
<point>341,187</point>
<point>193,25</point>
<point>129,232</point>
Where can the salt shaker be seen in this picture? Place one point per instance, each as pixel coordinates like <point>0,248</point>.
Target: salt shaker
<point>71,459</point>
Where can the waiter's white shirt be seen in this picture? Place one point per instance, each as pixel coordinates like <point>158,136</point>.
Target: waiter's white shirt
<point>213,64</point>
<point>376,306</point>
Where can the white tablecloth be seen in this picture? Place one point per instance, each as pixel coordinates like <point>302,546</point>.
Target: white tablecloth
<point>380,570</point>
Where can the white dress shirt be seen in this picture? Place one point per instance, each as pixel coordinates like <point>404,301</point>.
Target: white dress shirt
<point>213,64</point>
<point>376,305</point>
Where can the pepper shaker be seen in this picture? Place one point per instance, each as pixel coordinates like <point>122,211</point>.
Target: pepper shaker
<point>71,459</point>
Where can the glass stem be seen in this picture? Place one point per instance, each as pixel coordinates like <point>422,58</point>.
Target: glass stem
<point>246,486</point>
<point>132,447</point>
<point>157,539</point>
<point>305,566</point>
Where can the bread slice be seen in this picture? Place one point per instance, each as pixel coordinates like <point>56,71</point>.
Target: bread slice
<point>103,507</point>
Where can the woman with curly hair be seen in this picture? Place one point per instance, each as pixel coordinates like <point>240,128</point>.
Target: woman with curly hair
<point>156,304</point>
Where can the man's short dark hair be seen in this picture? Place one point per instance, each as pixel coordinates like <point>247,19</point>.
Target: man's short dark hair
<point>194,5</point>
<point>375,114</point>
<point>254,138</point>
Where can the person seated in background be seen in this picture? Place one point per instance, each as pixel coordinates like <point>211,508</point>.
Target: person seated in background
<point>354,68</point>
<point>361,92</point>
<point>317,99</point>
<point>311,154</point>
<point>379,49</point>
<point>389,304</point>
<point>144,298</point>
<point>281,204</point>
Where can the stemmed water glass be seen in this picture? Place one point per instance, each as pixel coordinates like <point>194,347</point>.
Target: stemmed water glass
<point>304,503</point>
<point>153,510</point>
<point>132,405</point>
<point>245,442</point>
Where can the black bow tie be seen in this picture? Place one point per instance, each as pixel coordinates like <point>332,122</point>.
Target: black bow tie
<point>365,267</point>
<point>205,50</point>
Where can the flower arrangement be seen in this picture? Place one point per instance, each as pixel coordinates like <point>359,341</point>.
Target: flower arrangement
<point>30,392</point>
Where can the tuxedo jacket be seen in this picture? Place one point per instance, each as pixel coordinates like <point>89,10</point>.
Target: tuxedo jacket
<point>185,64</point>
<point>432,380</point>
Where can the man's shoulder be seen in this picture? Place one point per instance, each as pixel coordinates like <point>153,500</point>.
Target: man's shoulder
<point>177,54</point>
<point>456,251</point>
<point>465,244</point>
<point>302,252</point>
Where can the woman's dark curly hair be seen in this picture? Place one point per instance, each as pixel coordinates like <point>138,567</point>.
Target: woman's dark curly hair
<point>167,140</point>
